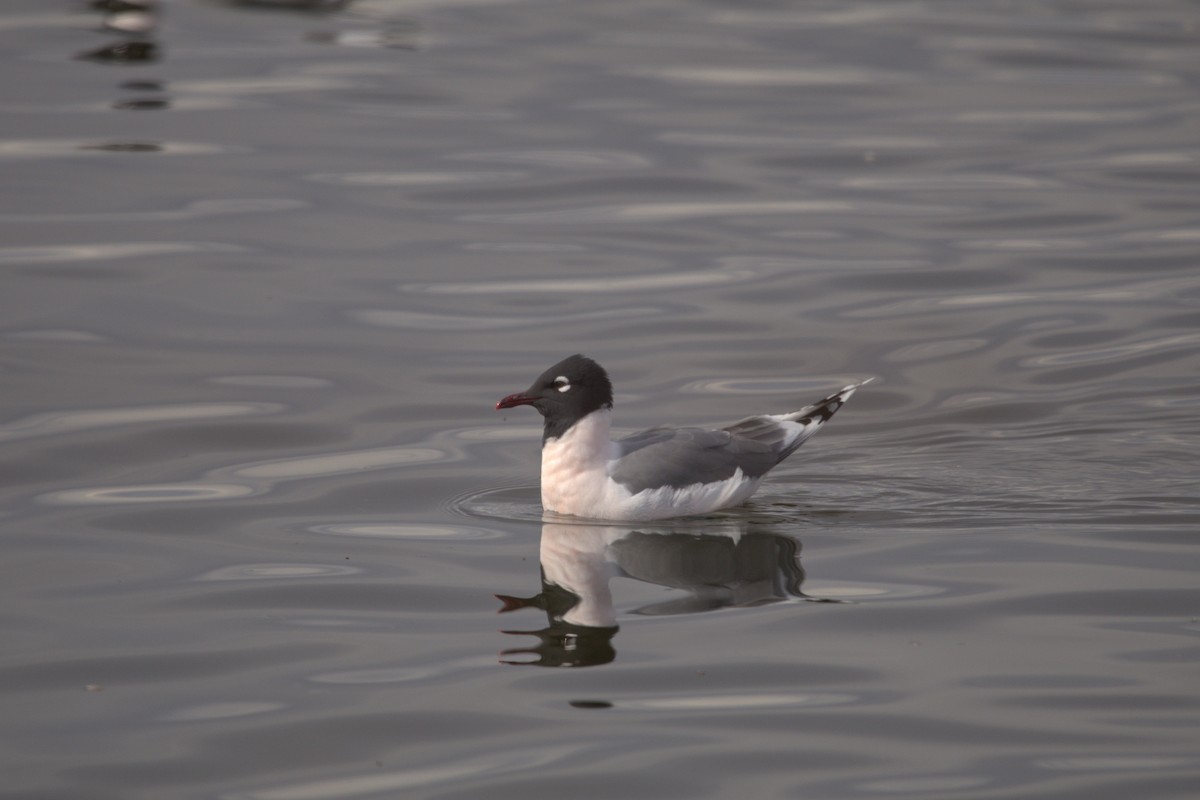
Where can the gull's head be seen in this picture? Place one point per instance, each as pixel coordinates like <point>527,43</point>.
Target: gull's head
<point>566,393</point>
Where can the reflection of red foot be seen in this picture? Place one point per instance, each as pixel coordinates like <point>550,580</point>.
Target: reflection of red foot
<point>514,603</point>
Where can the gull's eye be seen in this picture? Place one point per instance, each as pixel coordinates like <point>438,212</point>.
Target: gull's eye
<point>562,384</point>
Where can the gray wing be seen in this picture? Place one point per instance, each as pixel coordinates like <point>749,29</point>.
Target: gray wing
<point>679,457</point>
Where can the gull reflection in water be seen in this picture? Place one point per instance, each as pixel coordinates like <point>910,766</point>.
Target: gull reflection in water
<point>726,564</point>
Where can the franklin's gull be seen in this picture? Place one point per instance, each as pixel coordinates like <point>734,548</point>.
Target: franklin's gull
<point>657,473</point>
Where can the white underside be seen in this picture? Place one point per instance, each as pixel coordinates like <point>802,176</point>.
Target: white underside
<point>575,481</point>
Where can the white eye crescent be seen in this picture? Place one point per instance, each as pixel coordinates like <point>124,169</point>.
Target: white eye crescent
<point>562,384</point>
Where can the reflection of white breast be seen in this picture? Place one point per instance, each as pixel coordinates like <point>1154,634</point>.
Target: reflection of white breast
<point>577,558</point>
<point>715,565</point>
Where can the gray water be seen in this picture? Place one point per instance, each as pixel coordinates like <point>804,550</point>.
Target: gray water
<point>267,270</point>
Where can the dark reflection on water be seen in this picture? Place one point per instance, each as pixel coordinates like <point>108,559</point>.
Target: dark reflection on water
<point>735,567</point>
<point>136,19</point>
<point>291,5</point>
<point>141,105</point>
<point>561,643</point>
<point>124,147</point>
<point>124,52</point>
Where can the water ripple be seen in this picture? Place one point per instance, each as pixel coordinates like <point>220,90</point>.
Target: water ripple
<point>273,381</point>
<point>65,335</point>
<point>1163,235</point>
<point>1109,78</point>
<point>146,493</point>
<point>522,504</point>
<point>1115,293</point>
<point>738,269</point>
<point>52,148</point>
<point>1114,352</point>
<point>941,348</point>
<point>196,103</point>
<point>813,17</point>
<point>923,785</point>
<point>1041,116</point>
<point>227,710</point>
<point>57,254</point>
<point>197,210</point>
<point>948,182</point>
<point>244,480</point>
<point>233,87</point>
<point>335,463</point>
<point>779,76</point>
<point>404,179</point>
<point>1153,158</point>
<point>525,247</point>
<point>732,702</point>
<point>425,321</point>
<point>668,212</point>
<point>1028,244</point>
<point>391,530</point>
<point>62,422</point>
<point>378,782</point>
<point>257,572</point>
<point>1115,762</point>
<point>260,477</point>
<point>859,592</point>
<point>564,159</point>
<point>382,675</point>
<point>608,283</point>
<point>790,142</point>
<point>15,21</point>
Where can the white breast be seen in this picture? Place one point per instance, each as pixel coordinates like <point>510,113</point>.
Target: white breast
<point>575,467</point>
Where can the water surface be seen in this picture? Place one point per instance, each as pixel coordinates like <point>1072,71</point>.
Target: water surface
<point>267,267</point>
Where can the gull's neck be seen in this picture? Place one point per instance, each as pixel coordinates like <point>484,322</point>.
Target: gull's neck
<point>585,441</point>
